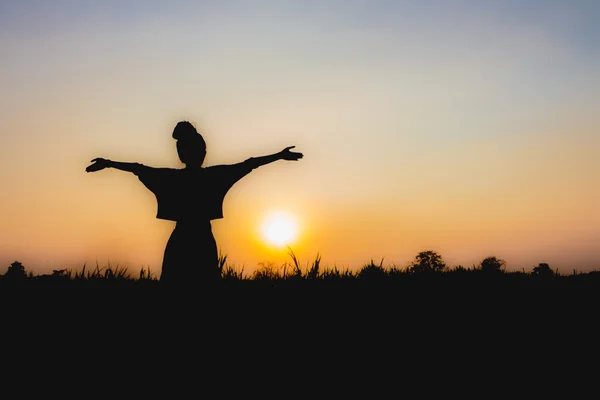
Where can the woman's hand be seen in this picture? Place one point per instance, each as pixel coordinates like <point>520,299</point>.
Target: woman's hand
<point>98,164</point>
<point>286,154</point>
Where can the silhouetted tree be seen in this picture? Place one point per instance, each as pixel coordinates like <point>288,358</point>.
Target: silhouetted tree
<point>428,261</point>
<point>492,265</point>
<point>15,271</point>
<point>543,269</point>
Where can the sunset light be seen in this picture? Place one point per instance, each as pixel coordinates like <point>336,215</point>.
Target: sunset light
<point>279,228</point>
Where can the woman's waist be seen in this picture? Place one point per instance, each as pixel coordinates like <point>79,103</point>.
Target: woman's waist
<point>193,223</point>
<point>189,213</point>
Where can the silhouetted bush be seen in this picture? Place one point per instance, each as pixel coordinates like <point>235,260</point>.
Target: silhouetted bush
<point>543,269</point>
<point>16,272</point>
<point>428,261</point>
<point>492,265</point>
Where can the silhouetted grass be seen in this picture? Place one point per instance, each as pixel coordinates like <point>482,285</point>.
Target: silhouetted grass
<point>413,277</point>
<point>280,299</point>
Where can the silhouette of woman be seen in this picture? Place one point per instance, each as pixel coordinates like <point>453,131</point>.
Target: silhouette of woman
<point>192,197</point>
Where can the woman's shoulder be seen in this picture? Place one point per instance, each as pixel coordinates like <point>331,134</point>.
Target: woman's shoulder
<point>245,166</point>
<point>145,169</point>
<point>228,174</point>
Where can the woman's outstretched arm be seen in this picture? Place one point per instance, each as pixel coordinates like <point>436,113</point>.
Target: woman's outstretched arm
<point>101,163</point>
<point>284,154</point>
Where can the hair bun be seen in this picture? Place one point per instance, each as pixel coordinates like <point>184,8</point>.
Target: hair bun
<point>184,129</point>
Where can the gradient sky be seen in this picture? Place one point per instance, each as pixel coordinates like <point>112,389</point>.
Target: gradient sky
<point>471,128</point>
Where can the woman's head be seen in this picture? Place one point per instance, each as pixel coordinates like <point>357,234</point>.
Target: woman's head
<point>190,144</point>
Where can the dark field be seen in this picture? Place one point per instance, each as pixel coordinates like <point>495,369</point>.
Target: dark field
<point>463,321</point>
<point>315,292</point>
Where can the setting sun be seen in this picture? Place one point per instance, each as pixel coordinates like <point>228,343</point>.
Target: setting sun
<point>279,228</point>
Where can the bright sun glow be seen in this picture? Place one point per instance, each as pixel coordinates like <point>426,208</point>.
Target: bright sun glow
<point>279,228</point>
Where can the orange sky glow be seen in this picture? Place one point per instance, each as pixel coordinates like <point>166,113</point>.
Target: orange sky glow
<point>472,130</point>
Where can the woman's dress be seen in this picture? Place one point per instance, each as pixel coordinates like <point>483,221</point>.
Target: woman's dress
<point>192,198</point>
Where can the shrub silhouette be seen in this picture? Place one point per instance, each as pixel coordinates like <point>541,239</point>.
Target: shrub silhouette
<point>543,269</point>
<point>492,265</point>
<point>426,262</point>
<point>16,271</point>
